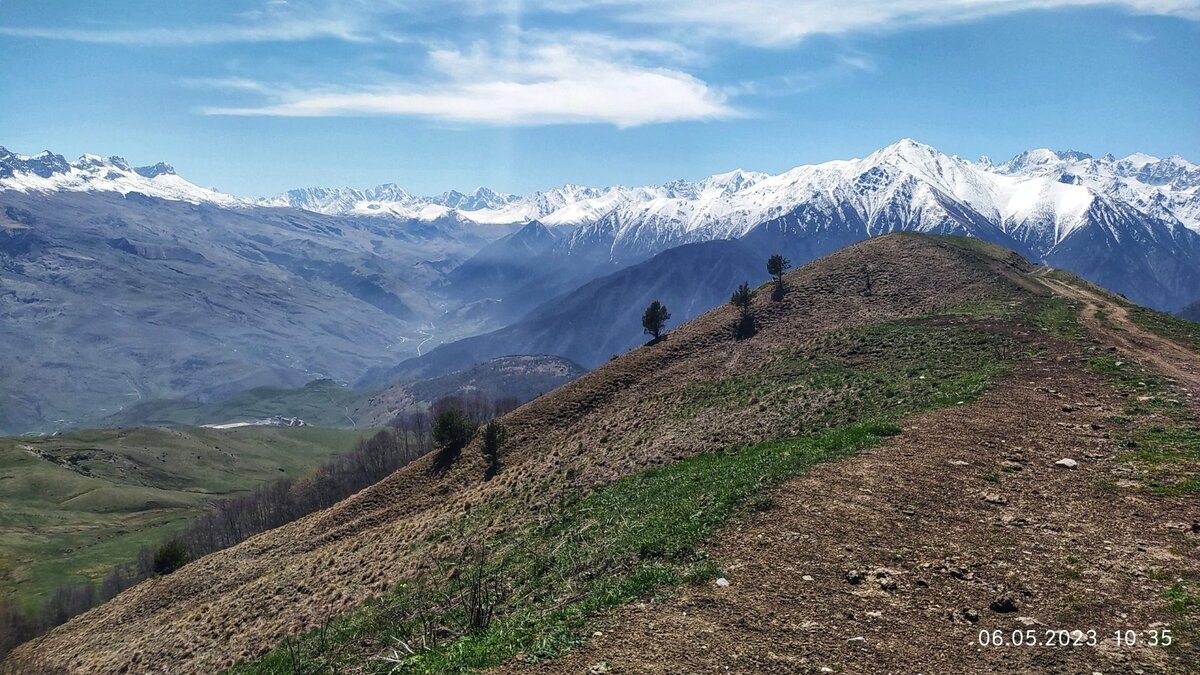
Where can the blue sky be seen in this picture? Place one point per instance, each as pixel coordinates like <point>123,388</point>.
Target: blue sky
<point>258,97</point>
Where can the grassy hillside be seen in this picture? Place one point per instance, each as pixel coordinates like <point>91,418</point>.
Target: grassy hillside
<point>874,469</point>
<point>322,403</point>
<point>325,403</point>
<point>75,505</point>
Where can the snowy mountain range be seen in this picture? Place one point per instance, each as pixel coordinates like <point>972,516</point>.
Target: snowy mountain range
<point>121,284</point>
<point>46,172</point>
<point>1131,223</point>
<point>1035,189</point>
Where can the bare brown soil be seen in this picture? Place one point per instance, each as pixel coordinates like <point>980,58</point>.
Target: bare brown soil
<point>619,419</point>
<point>1169,358</point>
<point>893,561</point>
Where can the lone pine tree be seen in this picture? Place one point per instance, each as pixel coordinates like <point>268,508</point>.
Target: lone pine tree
<point>655,319</point>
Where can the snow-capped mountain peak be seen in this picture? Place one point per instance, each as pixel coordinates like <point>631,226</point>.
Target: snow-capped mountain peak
<point>1038,194</point>
<point>48,172</point>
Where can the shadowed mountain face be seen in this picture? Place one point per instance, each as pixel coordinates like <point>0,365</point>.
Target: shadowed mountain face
<point>602,318</point>
<point>107,300</point>
<point>1191,312</point>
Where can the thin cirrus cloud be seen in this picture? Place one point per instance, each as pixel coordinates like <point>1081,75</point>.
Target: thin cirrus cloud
<point>532,71</point>
<point>288,30</point>
<point>547,84</point>
<point>783,22</point>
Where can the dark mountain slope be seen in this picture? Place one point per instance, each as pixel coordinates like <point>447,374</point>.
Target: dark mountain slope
<point>107,300</point>
<point>1191,312</point>
<point>504,264</point>
<point>602,318</point>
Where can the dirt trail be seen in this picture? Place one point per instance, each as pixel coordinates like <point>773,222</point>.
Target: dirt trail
<point>1166,356</point>
<point>893,561</point>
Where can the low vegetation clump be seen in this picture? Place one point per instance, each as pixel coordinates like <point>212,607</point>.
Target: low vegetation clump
<point>742,299</point>
<point>1158,431</point>
<point>1186,333</point>
<point>170,557</point>
<point>494,436</point>
<point>1059,317</point>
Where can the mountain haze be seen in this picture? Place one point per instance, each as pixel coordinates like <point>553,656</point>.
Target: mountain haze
<point>109,263</point>
<point>602,318</point>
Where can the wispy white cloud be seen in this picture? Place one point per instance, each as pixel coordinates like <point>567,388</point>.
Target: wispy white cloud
<point>782,22</point>
<point>755,22</point>
<point>577,81</point>
<point>526,62</point>
<point>273,21</point>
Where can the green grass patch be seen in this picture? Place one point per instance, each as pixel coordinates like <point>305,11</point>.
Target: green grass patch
<point>1181,331</point>
<point>983,310</point>
<point>75,505</point>
<point>995,251</point>
<point>1183,598</point>
<point>1059,317</point>
<point>322,403</point>
<point>864,373</point>
<point>1167,449</point>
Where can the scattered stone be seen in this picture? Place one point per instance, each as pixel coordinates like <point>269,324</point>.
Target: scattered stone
<point>993,498</point>
<point>971,615</point>
<point>1028,621</point>
<point>885,577</point>
<point>807,577</point>
<point>723,582</point>
<point>1004,604</point>
<point>1066,463</point>
<point>856,577</point>
<point>958,462</point>
<point>600,667</point>
<point>857,641</point>
<point>875,615</point>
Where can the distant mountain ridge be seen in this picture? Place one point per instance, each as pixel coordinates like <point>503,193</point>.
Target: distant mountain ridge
<point>122,283</point>
<point>1167,188</point>
<point>1131,224</point>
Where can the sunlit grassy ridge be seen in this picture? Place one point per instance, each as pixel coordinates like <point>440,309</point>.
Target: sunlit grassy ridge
<point>644,534</point>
